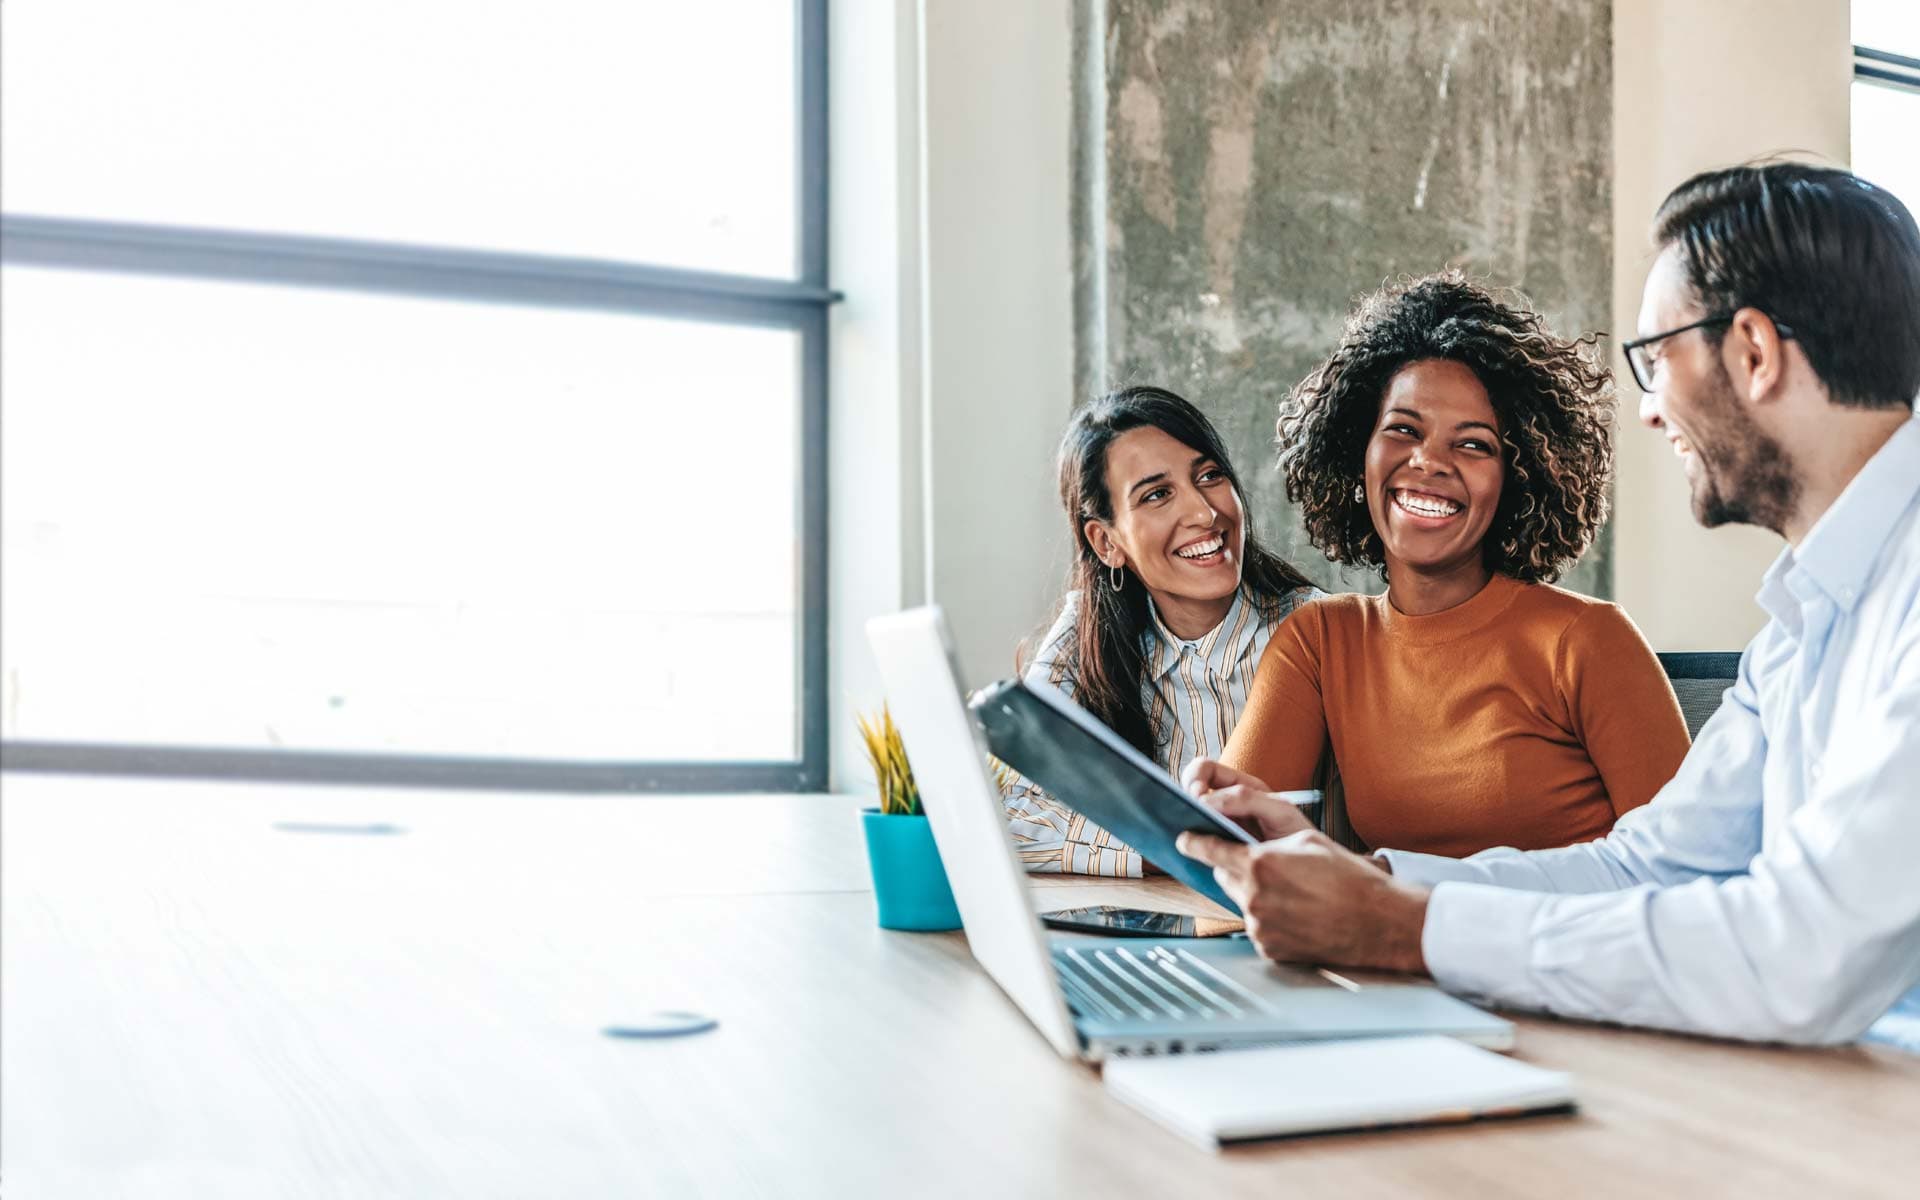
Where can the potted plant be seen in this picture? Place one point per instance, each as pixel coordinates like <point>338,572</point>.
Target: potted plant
<point>909,884</point>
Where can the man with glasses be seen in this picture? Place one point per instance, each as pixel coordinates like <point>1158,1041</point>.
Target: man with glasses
<point>1772,890</point>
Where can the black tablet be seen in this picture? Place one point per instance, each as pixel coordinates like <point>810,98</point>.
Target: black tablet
<point>1038,731</point>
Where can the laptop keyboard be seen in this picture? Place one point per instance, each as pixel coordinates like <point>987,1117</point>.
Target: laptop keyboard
<point>1118,984</point>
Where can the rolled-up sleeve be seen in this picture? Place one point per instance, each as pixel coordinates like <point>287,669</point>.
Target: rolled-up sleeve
<point>1048,836</point>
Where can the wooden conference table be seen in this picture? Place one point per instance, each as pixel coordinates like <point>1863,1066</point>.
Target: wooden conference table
<point>202,1003</point>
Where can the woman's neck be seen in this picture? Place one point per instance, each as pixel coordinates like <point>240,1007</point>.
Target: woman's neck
<point>1418,593</point>
<point>1189,619</point>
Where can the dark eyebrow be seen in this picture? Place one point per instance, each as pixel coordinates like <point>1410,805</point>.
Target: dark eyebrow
<point>1457,428</point>
<point>1160,476</point>
<point>1156,477</point>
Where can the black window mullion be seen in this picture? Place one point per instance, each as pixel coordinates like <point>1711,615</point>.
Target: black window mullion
<point>1886,68</point>
<point>810,19</point>
<point>812,533</point>
<point>399,770</point>
<point>289,260</point>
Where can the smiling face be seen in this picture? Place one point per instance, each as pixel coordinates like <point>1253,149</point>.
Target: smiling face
<point>1735,472</point>
<point>1433,467</point>
<point>1177,524</point>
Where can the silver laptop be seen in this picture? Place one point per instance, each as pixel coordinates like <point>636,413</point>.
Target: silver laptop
<point>1093,997</point>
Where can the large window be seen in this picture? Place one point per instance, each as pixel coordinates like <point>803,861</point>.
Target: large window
<point>1886,95</point>
<point>415,392</point>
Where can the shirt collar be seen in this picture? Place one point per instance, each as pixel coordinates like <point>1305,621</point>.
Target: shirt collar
<point>1221,646</point>
<point>1839,552</point>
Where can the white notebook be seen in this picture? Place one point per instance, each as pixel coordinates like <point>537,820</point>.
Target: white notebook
<point>1314,1087</point>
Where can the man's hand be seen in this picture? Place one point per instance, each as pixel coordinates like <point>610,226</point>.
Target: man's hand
<point>1308,900</point>
<point>1243,797</point>
<point>1203,775</point>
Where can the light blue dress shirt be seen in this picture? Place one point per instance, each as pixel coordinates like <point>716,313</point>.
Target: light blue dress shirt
<point>1772,890</point>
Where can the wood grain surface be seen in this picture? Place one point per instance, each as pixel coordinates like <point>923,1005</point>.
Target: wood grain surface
<point>200,1004</point>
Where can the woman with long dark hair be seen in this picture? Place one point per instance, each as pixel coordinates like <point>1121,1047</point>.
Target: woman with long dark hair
<point>1168,606</point>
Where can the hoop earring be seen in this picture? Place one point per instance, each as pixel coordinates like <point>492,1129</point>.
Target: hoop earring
<point>1117,578</point>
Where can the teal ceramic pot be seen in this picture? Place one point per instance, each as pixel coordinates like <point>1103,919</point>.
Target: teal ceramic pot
<point>909,883</point>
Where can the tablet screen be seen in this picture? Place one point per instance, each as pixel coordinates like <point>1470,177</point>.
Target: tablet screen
<point>1037,730</point>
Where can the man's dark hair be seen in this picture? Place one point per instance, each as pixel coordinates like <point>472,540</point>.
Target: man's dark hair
<point>1820,250</point>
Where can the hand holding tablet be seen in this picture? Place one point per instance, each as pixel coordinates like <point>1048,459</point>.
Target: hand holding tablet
<point>1065,749</point>
<point>1265,813</point>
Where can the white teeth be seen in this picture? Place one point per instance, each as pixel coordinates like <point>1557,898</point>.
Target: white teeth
<point>1201,549</point>
<point>1426,506</point>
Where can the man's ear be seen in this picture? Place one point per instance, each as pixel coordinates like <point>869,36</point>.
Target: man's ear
<point>1104,547</point>
<point>1755,356</point>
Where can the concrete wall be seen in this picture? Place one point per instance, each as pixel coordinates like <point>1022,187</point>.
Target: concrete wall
<point>1244,170</point>
<point>1703,84</point>
<point>1216,180</point>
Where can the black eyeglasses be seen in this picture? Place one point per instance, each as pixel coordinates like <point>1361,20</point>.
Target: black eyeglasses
<point>1640,360</point>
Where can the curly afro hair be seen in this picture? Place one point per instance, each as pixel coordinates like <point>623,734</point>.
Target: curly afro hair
<point>1555,405</point>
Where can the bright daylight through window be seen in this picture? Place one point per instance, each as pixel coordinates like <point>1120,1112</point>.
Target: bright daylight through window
<point>1886,95</point>
<point>370,411</point>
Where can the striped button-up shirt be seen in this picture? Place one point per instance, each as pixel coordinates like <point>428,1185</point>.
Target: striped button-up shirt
<point>1193,690</point>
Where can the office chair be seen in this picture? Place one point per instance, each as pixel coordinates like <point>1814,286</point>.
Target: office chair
<point>1699,680</point>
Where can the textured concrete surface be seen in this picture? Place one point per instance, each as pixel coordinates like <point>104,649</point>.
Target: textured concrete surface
<point>1245,168</point>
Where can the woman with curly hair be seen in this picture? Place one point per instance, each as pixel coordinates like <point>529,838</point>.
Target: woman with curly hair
<point>1170,600</point>
<point>1452,442</point>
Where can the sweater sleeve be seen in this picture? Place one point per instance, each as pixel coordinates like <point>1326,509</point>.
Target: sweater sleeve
<point>1283,730</point>
<point>1623,709</point>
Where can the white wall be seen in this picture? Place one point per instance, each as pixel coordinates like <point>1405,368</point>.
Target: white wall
<point>1699,84</point>
<point>953,350</point>
<point>996,94</point>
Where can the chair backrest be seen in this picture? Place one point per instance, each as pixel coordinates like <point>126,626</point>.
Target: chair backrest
<point>1700,680</point>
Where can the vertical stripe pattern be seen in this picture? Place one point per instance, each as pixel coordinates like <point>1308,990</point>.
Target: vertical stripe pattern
<point>1194,691</point>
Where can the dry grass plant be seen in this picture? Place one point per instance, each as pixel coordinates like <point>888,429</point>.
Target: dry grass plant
<point>887,754</point>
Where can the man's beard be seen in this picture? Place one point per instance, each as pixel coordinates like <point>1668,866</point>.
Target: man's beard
<point>1745,477</point>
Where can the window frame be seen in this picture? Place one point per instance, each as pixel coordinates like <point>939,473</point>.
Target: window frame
<point>1886,69</point>
<point>800,305</point>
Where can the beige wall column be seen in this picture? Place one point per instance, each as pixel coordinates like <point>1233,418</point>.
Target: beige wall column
<point>953,350</point>
<point>997,279</point>
<point>1699,84</point>
<point>875,520</point>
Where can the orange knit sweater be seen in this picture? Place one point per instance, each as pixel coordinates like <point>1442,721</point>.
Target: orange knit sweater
<point>1528,716</point>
